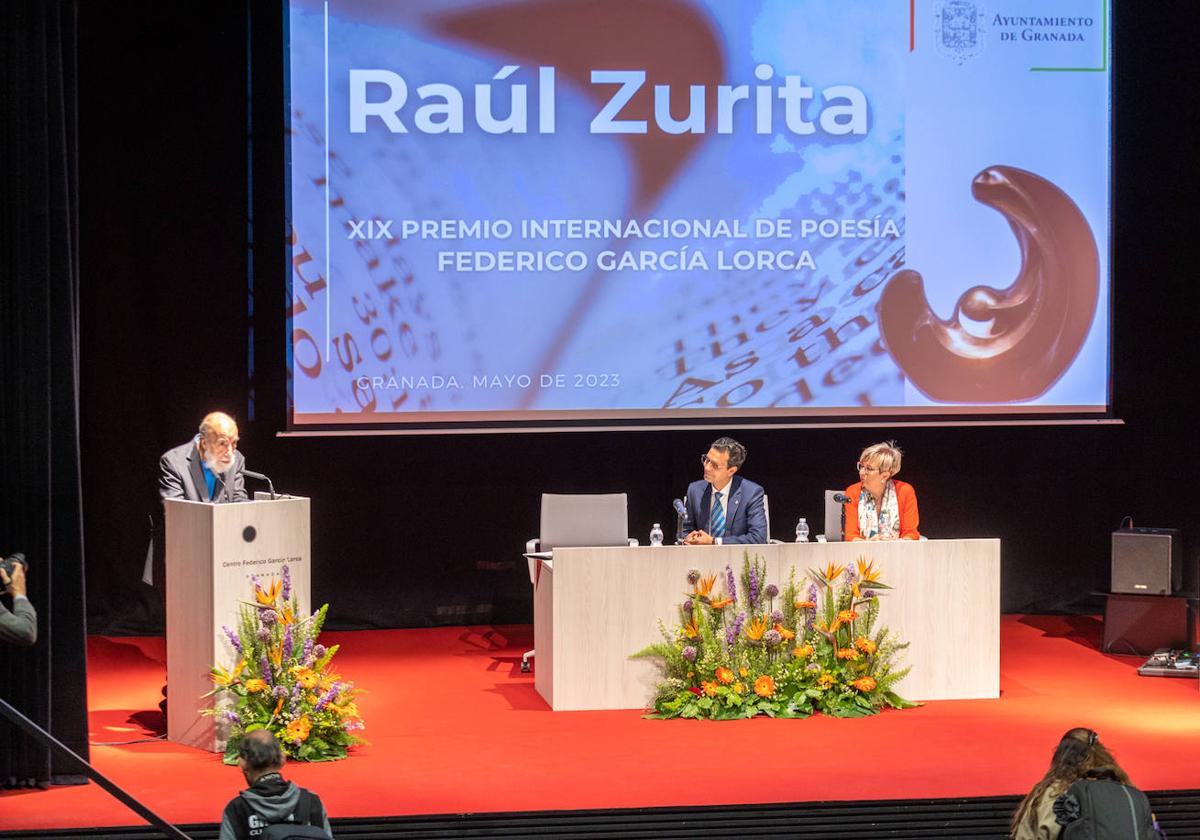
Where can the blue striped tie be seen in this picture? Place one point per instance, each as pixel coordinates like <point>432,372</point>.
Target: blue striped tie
<point>717,528</point>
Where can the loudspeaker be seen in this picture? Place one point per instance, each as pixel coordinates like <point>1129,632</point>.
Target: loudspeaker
<point>1147,561</point>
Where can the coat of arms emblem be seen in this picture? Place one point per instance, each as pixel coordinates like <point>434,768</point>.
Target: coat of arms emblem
<point>959,29</point>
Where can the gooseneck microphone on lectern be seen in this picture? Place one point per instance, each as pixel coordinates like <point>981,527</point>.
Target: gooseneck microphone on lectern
<point>260,477</point>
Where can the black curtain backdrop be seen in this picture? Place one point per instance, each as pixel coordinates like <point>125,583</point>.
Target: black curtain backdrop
<point>170,299</point>
<point>41,509</point>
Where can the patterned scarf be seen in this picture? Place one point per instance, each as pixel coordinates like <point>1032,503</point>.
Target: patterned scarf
<point>884,523</point>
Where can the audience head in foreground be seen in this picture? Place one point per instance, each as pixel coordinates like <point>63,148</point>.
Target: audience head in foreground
<point>880,507</point>
<point>269,799</point>
<point>1085,788</point>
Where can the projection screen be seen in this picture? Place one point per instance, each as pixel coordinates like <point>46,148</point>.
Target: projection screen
<point>557,213</point>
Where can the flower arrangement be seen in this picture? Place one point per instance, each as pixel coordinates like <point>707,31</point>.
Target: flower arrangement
<point>283,681</point>
<point>752,649</point>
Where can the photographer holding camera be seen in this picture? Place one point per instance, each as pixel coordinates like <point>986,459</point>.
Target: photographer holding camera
<point>18,626</point>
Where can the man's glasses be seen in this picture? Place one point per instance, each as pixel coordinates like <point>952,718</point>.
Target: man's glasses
<point>706,461</point>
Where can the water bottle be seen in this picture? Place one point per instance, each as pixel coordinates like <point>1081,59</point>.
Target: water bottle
<point>802,530</point>
<point>656,535</point>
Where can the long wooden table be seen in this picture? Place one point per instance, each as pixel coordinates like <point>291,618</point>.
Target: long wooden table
<point>593,607</point>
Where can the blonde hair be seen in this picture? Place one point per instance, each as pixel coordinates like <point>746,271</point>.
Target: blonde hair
<point>885,456</point>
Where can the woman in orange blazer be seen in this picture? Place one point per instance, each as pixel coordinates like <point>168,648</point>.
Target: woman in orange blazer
<point>881,508</point>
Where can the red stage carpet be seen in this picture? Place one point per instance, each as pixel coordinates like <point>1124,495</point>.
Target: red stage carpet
<point>455,728</point>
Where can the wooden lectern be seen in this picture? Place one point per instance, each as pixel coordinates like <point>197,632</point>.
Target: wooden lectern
<point>212,551</point>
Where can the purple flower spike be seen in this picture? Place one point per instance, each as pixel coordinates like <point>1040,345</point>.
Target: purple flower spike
<point>231,716</point>
<point>287,643</point>
<point>753,595</point>
<point>327,697</point>
<point>280,692</point>
<point>689,653</point>
<point>233,639</point>
<point>287,584</point>
<point>264,665</point>
<point>731,632</point>
<point>730,586</point>
<point>772,590</point>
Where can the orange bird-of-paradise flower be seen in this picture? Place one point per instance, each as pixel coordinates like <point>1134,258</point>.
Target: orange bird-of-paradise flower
<point>721,604</point>
<point>847,653</point>
<point>867,570</point>
<point>221,677</point>
<point>784,633</point>
<point>828,629</point>
<point>298,729</point>
<point>846,616</point>
<point>266,597</point>
<point>755,629</point>
<point>724,676</point>
<point>826,679</point>
<point>764,686</point>
<point>802,651</point>
<point>705,585</point>
<point>710,688</point>
<point>832,572</point>
<point>690,629</point>
<point>805,605</point>
<point>286,616</point>
<point>864,644</point>
<point>864,683</point>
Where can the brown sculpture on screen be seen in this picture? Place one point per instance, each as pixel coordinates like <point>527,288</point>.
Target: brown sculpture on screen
<point>1028,334</point>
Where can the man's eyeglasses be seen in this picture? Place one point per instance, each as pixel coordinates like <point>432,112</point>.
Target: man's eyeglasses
<point>706,461</point>
<point>866,467</point>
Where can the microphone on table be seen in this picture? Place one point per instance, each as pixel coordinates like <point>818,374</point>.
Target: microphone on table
<point>681,517</point>
<point>260,477</point>
<point>842,498</point>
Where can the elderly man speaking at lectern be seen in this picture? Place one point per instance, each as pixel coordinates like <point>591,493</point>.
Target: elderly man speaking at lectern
<point>208,468</point>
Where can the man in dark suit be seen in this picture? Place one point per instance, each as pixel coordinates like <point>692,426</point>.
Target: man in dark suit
<point>724,508</point>
<point>208,468</point>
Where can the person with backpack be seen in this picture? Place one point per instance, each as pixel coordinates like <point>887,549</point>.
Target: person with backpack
<point>271,808</point>
<point>1084,795</point>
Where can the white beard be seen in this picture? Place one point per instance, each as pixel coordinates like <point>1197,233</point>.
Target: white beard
<point>216,468</point>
